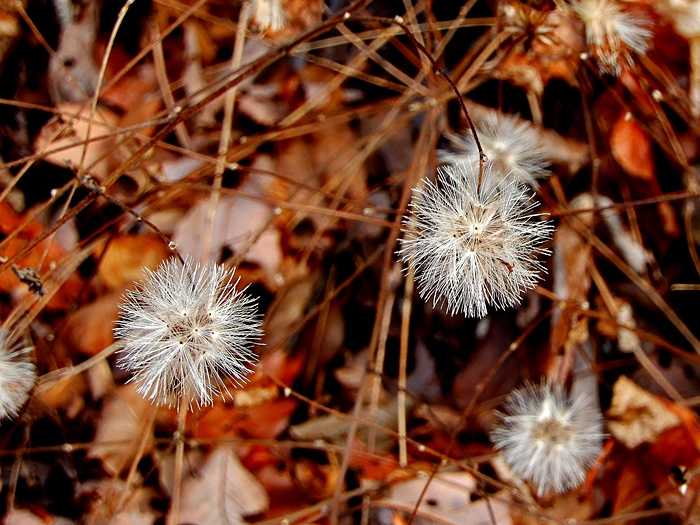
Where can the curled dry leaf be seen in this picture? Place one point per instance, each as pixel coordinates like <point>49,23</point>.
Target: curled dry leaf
<point>122,421</point>
<point>636,416</point>
<point>222,492</point>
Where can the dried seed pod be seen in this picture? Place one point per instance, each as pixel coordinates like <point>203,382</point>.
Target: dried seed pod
<point>549,437</point>
<point>612,33</point>
<point>17,376</point>
<point>512,145</point>
<point>185,330</point>
<point>474,239</point>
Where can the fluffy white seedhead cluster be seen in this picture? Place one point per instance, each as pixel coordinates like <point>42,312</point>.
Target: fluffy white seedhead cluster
<point>474,240</point>
<point>185,330</point>
<point>17,376</point>
<point>612,33</point>
<point>269,14</point>
<point>549,438</point>
<point>511,144</point>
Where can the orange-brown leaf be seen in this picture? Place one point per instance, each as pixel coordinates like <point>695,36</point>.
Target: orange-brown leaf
<point>631,148</point>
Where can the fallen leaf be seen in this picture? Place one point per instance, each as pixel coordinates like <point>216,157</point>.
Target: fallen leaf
<point>263,421</point>
<point>448,498</point>
<point>317,480</point>
<point>99,154</point>
<point>572,280</point>
<point>127,256</point>
<point>630,487</point>
<point>242,224</point>
<point>122,420</point>
<point>106,507</point>
<point>636,416</point>
<point>222,492</point>
<point>631,148</point>
<point>288,308</point>
<point>69,290</point>
<point>88,330</point>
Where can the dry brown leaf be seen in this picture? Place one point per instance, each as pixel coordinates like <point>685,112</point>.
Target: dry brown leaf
<point>292,161</point>
<point>258,103</point>
<point>100,379</point>
<point>70,289</point>
<point>99,156</point>
<point>67,394</point>
<point>123,418</point>
<point>565,507</point>
<point>130,92</point>
<point>636,416</point>
<point>571,277</point>
<point>334,428</point>
<point>222,492</point>
<point>333,151</point>
<point>318,481</point>
<point>630,487</point>
<point>288,308</point>
<point>631,148</point>
<point>265,421</point>
<point>448,499</point>
<point>105,495</point>
<point>89,330</point>
<point>239,223</point>
<point>127,256</point>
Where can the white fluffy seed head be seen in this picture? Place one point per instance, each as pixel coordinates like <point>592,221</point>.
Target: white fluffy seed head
<point>548,437</point>
<point>474,243</point>
<point>17,376</point>
<point>269,14</point>
<point>612,32</point>
<point>511,144</point>
<point>185,330</point>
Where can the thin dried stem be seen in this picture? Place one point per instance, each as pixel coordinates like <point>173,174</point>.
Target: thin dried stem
<point>403,361</point>
<point>225,138</point>
<point>179,438</point>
